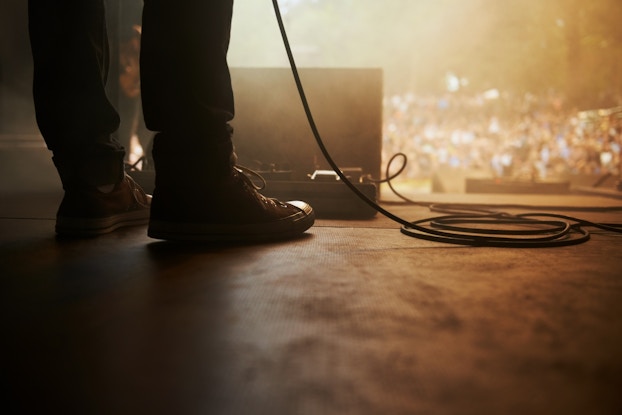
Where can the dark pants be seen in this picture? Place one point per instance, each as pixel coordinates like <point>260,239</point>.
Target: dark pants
<point>185,81</point>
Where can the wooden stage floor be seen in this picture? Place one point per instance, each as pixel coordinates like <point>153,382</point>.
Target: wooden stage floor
<point>352,318</point>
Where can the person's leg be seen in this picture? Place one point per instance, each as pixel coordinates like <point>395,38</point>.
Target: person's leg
<point>186,89</point>
<point>70,54</point>
<point>184,73</point>
<point>187,98</point>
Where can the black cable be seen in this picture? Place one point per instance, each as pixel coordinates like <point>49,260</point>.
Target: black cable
<point>313,126</point>
<point>520,232</point>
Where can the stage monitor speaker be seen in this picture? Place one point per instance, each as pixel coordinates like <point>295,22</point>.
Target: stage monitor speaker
<point>271,130</point>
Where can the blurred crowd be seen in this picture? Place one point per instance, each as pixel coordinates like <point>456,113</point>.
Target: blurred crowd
<point>501,135</point>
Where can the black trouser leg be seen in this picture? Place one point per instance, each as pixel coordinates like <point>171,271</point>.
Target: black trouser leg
<point>70,53</point>
<point>186,88</point>
<point>185,78</point>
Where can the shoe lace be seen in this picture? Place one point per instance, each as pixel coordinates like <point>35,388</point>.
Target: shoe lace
<point>140,196</point>
<point>248,174</point>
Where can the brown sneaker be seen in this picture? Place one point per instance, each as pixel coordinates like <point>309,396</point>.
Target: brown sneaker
<point>90,212</point>
<point>230,210</point>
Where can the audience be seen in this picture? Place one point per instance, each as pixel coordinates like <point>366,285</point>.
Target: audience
<point>501,135</point>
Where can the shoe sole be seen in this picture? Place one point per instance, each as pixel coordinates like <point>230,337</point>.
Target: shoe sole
<point>98,226</point>
<point>286,228</point>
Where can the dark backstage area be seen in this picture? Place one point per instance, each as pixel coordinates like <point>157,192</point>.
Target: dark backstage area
<point>302,207</point>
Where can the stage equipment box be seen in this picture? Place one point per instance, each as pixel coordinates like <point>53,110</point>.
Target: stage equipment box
<point>271,130</point>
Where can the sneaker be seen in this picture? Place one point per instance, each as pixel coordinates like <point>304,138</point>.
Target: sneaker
<point>91,212</point>
<point>231,210</point>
